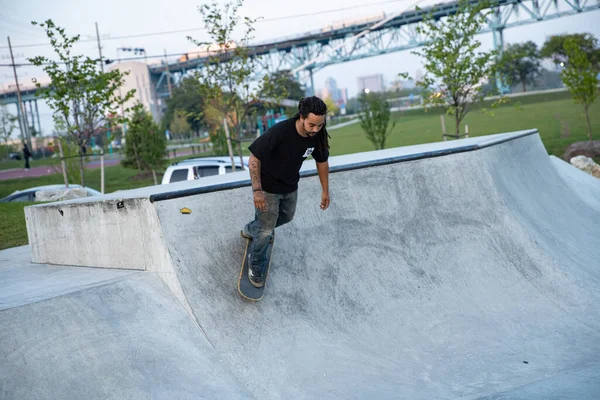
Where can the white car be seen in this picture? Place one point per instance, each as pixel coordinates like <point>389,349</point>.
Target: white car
<point>196,168</point>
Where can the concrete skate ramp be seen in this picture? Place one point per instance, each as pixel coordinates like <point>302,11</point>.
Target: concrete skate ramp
<point>461,276</point>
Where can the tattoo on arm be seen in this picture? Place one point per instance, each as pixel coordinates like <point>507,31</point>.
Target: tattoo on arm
<point>255,172</point>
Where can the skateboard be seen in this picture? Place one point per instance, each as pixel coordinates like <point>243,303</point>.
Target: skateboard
<point>247,289</point>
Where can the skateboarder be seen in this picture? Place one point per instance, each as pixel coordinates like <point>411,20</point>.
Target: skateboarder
<point>275,161</point>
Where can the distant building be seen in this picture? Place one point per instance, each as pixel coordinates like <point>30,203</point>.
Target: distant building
<point>338,95</point>
<point>139,79</point>
<point>371,83</point>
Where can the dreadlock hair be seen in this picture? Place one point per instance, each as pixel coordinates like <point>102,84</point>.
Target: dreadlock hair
<point>315,105</point>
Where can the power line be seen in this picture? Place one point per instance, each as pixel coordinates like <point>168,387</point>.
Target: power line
<point>200,29</point>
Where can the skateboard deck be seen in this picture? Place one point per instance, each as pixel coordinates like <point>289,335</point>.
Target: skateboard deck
<point>247,289</point>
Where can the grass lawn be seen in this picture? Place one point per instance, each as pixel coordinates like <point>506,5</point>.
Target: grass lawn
<point>13,231</point>
<point>559,121</point>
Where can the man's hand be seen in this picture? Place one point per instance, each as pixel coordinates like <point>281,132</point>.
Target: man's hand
<point>323,171</point>
<point>324,200</point>
<point>260,200</point>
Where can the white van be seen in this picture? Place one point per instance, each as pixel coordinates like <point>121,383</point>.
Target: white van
<point>196,168</point>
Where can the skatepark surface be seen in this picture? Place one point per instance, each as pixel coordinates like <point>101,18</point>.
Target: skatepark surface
<point>457,270</point>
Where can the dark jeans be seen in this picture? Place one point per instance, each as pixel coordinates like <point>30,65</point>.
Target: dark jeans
<point>27,162</point>
<point>280,210</point>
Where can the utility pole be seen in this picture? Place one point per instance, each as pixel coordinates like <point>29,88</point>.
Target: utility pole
<point>20,110</point>
<point>99,48</point>
<point>168,75</point>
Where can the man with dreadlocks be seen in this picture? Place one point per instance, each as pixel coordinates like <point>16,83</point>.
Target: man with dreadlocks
<point>275,161</point>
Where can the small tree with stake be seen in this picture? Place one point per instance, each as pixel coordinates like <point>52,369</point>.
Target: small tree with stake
<point>580,76</point>
<point>80,95</point>
<point>455,66</point>
<point>374,118</point>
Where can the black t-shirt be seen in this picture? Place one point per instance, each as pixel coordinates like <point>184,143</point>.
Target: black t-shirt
<point>281,151</point>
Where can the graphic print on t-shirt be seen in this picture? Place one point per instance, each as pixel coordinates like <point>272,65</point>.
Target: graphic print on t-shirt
<point>308,152</point>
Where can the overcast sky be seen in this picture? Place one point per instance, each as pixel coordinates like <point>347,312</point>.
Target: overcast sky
<point>132,17</point>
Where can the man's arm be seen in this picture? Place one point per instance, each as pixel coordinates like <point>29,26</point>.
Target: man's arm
<point>260,200</point>
<point>323,171</point>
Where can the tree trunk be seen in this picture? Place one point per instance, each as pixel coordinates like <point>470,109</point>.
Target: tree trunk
<point>81,168</point>
<point>62,162</point>
<point>524,86</point>
<point>137,157</point>
<point>457,127</point>
<point>154,176</point>
<point>229,147</point>
<point>240,149</point>
<point>587,117</point>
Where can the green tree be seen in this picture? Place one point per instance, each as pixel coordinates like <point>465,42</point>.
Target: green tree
<point>554,48</point>
<point>186,100</point>
<point>228,78</point>
<point>455,65</point>
<point>145,144</point>
<point>179,126</point>
<point>520,63</point>
<point>284,85</point>
<point>374,118</point>
<point>580,75</point>
<point>80,95</point>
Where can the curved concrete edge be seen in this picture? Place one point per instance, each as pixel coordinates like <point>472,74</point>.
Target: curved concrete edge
<point>365,160</point>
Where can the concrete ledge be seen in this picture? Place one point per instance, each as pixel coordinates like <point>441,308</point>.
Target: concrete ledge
<point>368,159</point>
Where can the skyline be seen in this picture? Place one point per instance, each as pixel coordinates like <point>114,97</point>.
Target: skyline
<point>79,19</point>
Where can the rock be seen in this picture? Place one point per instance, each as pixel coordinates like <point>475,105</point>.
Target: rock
<point>586,164</point>
<point>60,194</point>
<point>587,148</point>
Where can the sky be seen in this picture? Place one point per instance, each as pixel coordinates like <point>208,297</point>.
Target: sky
<point>117,18</point>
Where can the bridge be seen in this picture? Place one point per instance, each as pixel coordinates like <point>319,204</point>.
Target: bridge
<point>312,51</point>
<point>342,42</point>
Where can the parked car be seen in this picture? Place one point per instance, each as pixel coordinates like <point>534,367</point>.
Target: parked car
<point>29,194</point>
<point>14,156</point>
<point>196,168</point>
